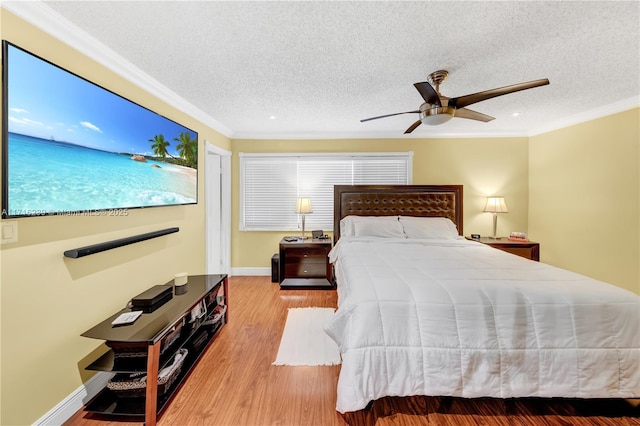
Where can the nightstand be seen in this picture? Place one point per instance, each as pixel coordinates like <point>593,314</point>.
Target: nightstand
<point>526,249</point>
<point>305,264</point>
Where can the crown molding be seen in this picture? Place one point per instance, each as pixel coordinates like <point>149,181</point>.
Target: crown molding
<point>51,22</point>
<point>592,114</point>
<point>377,135</point>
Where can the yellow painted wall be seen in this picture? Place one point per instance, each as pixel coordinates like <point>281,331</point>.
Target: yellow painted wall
<point>485,166</point>
<point>558,187</point>
<point>48,300</point>
<point>584,193</point>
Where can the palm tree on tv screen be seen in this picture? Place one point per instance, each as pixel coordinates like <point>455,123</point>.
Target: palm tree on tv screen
<point>188,149</point>
<point>159,145</point>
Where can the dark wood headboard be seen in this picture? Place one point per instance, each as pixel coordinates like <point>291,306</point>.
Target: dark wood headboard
<point>390,200</point>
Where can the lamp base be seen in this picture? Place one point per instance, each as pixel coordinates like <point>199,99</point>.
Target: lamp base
<point>495,227</point>
<point>303,237</point>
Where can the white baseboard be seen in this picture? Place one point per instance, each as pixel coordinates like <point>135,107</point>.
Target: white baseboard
<point>251,272</point>
<point>74,402</point>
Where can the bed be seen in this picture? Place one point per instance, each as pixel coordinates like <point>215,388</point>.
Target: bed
<point>423,311</point>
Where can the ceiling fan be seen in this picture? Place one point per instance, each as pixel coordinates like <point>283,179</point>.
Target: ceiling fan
<point>438,109</point>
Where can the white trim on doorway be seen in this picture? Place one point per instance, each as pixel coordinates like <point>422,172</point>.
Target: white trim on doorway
<point>218,209</point>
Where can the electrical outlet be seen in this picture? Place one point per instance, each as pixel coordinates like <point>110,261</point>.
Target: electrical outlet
<point>9,232</point>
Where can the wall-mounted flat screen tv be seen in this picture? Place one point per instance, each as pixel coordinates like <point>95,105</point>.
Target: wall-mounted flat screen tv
<point>71,147</point>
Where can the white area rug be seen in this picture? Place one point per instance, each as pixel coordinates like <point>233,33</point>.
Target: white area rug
<point>304,341</point>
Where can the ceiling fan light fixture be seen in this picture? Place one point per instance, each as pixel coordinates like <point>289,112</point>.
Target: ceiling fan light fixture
<point>437,115</point>
<point>438,109</point>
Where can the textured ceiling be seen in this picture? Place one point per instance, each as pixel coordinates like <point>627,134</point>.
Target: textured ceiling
<point>320,67</point>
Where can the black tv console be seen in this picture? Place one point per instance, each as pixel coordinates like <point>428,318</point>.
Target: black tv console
<point>189,321</point>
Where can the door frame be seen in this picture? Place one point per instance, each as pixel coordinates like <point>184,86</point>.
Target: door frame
<point>212,183</point>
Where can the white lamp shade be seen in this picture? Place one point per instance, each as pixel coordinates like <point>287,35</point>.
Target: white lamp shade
<point>303,205</point>
<point>496,205</point>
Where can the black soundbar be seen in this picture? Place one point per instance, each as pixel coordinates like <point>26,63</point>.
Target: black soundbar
<point>108,245</point>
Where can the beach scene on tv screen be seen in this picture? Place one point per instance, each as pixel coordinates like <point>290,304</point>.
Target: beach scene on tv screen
<point>76,147</point>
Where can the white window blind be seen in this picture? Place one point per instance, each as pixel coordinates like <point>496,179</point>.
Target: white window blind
<point>271,183</point>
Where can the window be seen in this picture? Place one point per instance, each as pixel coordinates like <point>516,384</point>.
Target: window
<point>271,183</point>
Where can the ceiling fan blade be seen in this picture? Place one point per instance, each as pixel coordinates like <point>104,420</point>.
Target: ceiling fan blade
<point>463,101</point>
<point>389,115</point>
<point>428,93</point>
<point>472,115</point>
<point>413,127</point>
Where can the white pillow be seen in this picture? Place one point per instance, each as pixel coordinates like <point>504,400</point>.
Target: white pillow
<point>439,228</point>
<point>378,228</point>
<point>346,226</point>
<point>347,223</point>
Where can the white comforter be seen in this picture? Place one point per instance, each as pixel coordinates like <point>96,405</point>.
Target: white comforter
<point>459,318</point>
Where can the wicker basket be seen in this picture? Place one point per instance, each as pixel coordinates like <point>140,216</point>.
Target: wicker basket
<point>216,316</point>
<point>135,384</point>
<point>128,350</point>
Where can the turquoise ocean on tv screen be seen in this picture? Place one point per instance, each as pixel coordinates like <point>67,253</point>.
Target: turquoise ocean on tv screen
<point>49,177</point>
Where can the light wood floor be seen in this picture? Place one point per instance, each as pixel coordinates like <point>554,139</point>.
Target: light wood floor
<point>235,384</point>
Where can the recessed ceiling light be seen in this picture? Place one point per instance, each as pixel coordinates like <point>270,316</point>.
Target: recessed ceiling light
<point>516,114</point>
<point>272,117</point>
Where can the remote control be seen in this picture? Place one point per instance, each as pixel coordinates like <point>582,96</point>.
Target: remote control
<point>127,318</point>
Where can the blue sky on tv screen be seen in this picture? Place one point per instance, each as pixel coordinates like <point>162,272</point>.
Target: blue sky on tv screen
<point>50,103</point>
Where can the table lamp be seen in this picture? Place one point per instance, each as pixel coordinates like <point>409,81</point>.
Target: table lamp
<point>303,206</point>
<point>495,205</point>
